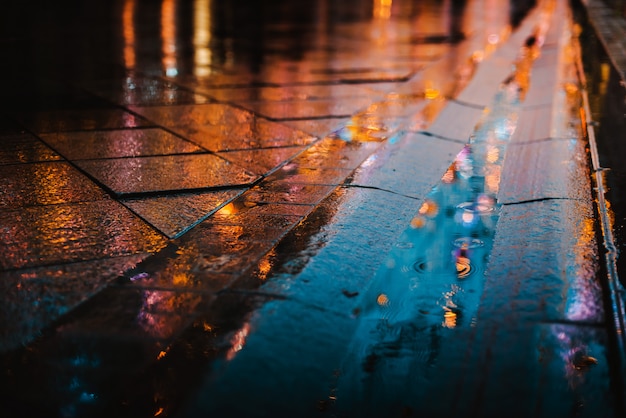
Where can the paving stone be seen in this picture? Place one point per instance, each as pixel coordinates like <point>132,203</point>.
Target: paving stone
<point>144,91</point>
<point>117,143</point>
<point>319,128</point>
<point>307,109</point>
<point>241,208</point>
<point>556,285</point>
<point>261,161</point>
<point>215,134</point>
<point>44,183</point>
<point>534,124</point>
<point>335,153</point>
<point>79,120</point>
<point>456,122</point>
<point>175,214</point>
<point>293,174</point>
<point>50,292</point>
<point>283,192</point>
<point>24,148</point>
<point>281,94</point>
<point>552,169</point>
<point>136,313</point>
<point>73,232</point>
<point>166,173</point>
<point>195,116</point>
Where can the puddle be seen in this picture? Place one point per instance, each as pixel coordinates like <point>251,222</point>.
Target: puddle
<point>428,291</point>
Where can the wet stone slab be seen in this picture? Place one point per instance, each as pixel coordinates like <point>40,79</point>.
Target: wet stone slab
<point>307,109</point>
<point>552,169</point>
<point>174,214</point>
<point>220,128</point>
<point>34,297</point>
<point>45,184</point>
<point>131,312</point>
<point>24,148</point>
<point>335,153</point>
<point>261,161</point>
<point>193,116</point>
<point>290,193</point>
<point>166,173</point>
<point>543,264</point>
<point>144,91</point>
<point>80,120</point>
<point>319,128</point>
<point>117,143</point>
<point>455,122</point>
<point>280,94</point>
<point>73,232</point>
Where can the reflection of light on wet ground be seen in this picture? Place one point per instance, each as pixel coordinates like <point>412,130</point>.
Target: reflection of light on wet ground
<point>238,341</point>
<point>430,287</point>
<point>202,37</point>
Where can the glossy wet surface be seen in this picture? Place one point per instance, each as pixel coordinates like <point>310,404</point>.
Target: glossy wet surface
<point>298,209</point>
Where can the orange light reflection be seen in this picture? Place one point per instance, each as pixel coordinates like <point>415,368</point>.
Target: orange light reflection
<point>128,26</point>
<point>168,37</point>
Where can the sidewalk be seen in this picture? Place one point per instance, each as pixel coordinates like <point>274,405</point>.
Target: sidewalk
<point>218,241</point>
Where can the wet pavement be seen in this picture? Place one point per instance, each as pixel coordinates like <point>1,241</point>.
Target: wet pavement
<point>304,209</point>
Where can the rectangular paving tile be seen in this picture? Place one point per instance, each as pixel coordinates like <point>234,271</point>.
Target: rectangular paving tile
<point>261,161</point>
<point>166,173</point>
<point>282,192</point>
<point>34,297</point>
<point>174,214</point>
<point>318,127</point>
<point>287,93</point>
<point>65,233</point>
<point>45,183</point>
<point>80,120</point>
<point>117,143</point>
<point>135,313</point>
<point>258,133</point>
<point>194,116</point>
<point>144,91</point>
<point>455,122</point>
<point>546,169</point>
<point>293,174</point>
<point>24,148</point>
<point>534,124</point>
<point>335,153</point>
<point>307,109</point>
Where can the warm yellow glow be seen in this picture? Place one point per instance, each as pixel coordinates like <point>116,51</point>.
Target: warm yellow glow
<point>382,9</point>
<point>449,319</point>
<point>431,93</point>
<point>265,265</point>
<point>382,300</point>
<point>161,355</point>
<point>429,208</point>
<point>181,278</point>
<point>168,37</point>
<point>202,37</point>
<point>238,341</point>
<point>418,222</point>
<point>207,327</point>
<point>128,28</point>
<point>228,209</point>
<point>159,412</point>
<point>493,153</point>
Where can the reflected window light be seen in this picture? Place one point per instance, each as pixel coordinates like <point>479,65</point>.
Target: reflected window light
<point>168,37</point>
<point>128,32</point>
<point>202,37</point>
<point>382,9</point>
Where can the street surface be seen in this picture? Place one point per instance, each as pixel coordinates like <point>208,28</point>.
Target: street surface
<point>302,209</point>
